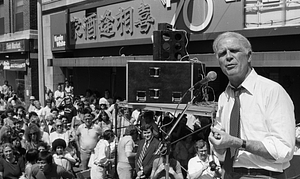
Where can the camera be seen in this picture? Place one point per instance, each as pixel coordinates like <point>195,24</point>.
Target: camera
<point>213,166</point>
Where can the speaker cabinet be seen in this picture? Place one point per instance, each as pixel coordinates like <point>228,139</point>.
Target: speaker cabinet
<point>161,81</point>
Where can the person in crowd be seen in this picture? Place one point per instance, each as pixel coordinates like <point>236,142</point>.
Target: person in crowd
<point>101,158</point>
<point>19,150</point>
<point>104,121</point>
<point>68,88</point>
<point>6,134</point>
<point>11,166</point>
<point>14,101</point>
<point>60,156</point>
<point>203,165</point>
<point>145,152</point>
<point>59,95</point>
<point>161,165</point>
<point>50,123</point>
<point>42,146</point>
<point>135,116</point>
<point>33,118</point>
<point>9,120</point>
<point>6,89</point>
<point>55,112</point>
<point>3,104</point>
<point>87,136</point>
<point>19,131</point>
<point>50,97</point>
<point>21,116</point>
<point>184,151</point>
<point>126,153</point>
<point>32,136</point>
<point>115,118</point>
<point>38,109</point>
<point>148,118</point>
<point>46,111</point>
<point>125,114</point>
<point>256,116</point>
<point>44,131</point>
<point>31,158</point>
<point>68,108</point>
<point>106,99</point>
<point>89,97</point>
<point>78,119</point>
<point>47,169</point>
<point>59,133</point>
<point>31,106</point>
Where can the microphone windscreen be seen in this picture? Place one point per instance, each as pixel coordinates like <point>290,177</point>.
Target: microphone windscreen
<point>212,76</point>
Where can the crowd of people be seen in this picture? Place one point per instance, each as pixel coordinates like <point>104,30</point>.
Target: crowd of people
<point>252,136</point>
<point>73,134</point>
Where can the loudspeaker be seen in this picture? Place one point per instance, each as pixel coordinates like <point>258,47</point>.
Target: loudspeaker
<point>169,45</point>
<point>161,81</point>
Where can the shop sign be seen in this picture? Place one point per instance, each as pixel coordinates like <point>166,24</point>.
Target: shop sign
<point>17,65</point>
<point>14,46</point>
<point>126,21</point>
<point>59,40</point>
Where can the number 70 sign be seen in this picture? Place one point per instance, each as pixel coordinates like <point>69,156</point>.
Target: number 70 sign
<point>183,5</point>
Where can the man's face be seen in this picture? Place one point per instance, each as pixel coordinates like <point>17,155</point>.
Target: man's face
<point>41,148</point>
<point>42,164</point>
<point>147,134</point>
<point>202,153</point>
<point>233,58</point>
<point>59,126</point>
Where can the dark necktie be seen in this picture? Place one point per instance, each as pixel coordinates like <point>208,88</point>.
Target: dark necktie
<point>234,130</point>
<point>142,155</point>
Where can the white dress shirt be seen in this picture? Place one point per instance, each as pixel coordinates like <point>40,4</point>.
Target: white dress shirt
<point>267,115</point>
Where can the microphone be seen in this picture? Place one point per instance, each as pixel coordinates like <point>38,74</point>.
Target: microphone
<point>211,76</point>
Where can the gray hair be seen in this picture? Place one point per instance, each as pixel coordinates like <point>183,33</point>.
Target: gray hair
<point>236,35</point>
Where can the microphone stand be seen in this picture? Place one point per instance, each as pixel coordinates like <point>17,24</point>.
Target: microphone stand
<point>167,165</point>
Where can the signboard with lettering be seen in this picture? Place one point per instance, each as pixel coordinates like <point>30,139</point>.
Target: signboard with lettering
<point>136,20</point>
<point>14,46</point>
<point>14,65</point>
<point>59,40</point>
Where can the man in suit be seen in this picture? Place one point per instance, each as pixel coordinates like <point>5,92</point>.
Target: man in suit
<point>145,152</point>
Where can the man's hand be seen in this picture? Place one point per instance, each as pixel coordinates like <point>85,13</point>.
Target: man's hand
<point>221,140</point>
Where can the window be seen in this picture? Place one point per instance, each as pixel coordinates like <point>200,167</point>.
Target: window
<point>19,21</point>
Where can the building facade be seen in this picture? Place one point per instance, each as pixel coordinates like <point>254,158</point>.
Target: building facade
<point>18,46</point>
<point>90,42</point>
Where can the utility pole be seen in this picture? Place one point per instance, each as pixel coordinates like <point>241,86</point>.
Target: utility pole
<point>40,54</point>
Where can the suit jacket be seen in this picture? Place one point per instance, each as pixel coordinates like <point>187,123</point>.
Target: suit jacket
<point>149,155</point>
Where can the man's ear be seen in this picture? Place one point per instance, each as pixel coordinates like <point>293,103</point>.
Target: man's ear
<point>249,56</point>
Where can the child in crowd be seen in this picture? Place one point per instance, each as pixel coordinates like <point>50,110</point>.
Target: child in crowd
<point>60,156</point>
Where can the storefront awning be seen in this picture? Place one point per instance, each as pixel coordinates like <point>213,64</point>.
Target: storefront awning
<point>259,59</point>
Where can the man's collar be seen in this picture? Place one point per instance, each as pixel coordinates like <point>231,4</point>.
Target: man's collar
<point>248,84</point>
